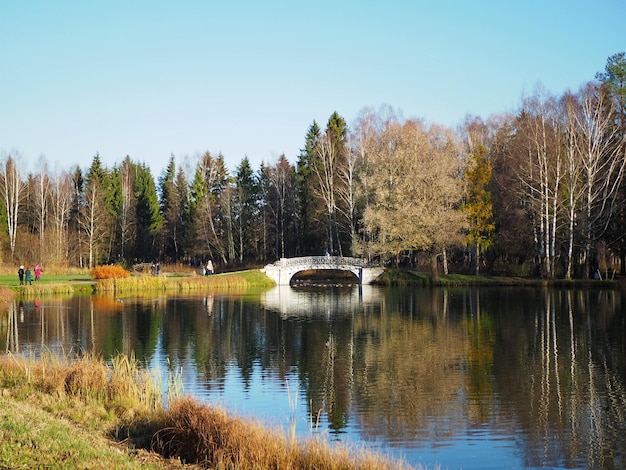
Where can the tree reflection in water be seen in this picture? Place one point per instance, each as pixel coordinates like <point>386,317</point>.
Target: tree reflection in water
<point>520,377</point>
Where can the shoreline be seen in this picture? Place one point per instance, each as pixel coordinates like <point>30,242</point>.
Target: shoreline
<point>189,283</point>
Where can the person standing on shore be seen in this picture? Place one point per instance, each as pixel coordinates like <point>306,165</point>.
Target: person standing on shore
<point>37,272</point>
<point>20,275</point>
<point>28,277</point>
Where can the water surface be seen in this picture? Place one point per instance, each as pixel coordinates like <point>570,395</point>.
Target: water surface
<point>457,377</point>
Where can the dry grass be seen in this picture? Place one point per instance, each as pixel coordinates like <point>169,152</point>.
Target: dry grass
<point>6,294</point>
<point>49,269</point>
<point>121,399</point>
<point>210,437</point>
<point>183,283</point>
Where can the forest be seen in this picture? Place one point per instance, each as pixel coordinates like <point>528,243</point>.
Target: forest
<point>536,192</point>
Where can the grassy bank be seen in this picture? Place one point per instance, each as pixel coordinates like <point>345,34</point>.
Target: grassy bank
<point>167,283</point>
<point>88,414</point>
<point>184,283</point>
<point>405,277</point>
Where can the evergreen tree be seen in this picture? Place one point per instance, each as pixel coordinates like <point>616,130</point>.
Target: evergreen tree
<point>308,232</point>
<point>181,187</point>
<point>245,211</point>
<point>74,223</point>
<point>95,217</point>
<point>265,215</point>
<point>614,80</point>
<point>149,220</point>
<point>169,206</point>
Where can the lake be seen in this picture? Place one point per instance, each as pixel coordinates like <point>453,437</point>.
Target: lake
<point>458,377</point>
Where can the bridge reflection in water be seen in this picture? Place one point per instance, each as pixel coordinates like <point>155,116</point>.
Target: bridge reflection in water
<point>283,270</point>
<point>290,302</point>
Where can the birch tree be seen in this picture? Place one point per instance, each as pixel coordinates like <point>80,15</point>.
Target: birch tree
<point>573,177</point>
<point>42,190</point>
<point>603,162</point>
<point>329,159</point>
<point>282,192</point>
<point>12,188</point>
<point>208,184</point>
<point>60,206</point>
<point>541,175</point>
<point>325,169</point>
<point>126,212</point>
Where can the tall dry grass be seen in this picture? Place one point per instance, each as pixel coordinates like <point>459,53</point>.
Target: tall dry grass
<point>122,385</point>
<point>127,399</point>
<point>209,436</point>
<point>6,294</point>
<point>183,284</point>
<point>36,290</point>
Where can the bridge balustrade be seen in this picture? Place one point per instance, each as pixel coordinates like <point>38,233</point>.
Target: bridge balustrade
<point>324,261</point>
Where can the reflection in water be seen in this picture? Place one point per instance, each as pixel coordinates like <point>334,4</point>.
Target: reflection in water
<point>461,377</point>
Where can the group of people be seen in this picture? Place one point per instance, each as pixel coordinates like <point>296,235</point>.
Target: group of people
<point>25,275</point>
<point>155,269</point>
<point>208,269</point>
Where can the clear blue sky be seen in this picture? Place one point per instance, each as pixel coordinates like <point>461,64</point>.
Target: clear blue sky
<point>154,78</point>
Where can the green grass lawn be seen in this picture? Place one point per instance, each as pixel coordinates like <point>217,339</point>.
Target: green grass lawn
<point>12,280</point>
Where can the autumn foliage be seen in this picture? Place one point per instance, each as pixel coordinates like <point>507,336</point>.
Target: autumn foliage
<point>109,272</point>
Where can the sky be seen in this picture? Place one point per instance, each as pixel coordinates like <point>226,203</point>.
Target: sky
<point>151,79</point>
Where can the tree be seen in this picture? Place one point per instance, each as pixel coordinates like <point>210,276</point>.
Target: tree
<point>307,232</point>
<point>170,209</point>
<point>329,159</point>
<point>603,162</point>
<point>60,207</point>
<point>541,171</point>
<point>75,222</point>
<point>94,216</point>
<point>264,186</point>
<point>364,140</point>
<point>246,210</point>
<point>478,205</point>
<point>209,182</point>
<point>42,192</point>
<point>127,216</point>
<point>149,220</point>
<point>614,81</point>
<point>417,172</point>
<point>574,189</point>
<point>12,191</point>
<point>347,193</point>
<point>281,196</point>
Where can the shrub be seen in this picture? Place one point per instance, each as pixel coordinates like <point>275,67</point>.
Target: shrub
<point>109,272</point>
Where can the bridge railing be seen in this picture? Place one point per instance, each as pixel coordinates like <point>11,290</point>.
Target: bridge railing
<point>324,261</point>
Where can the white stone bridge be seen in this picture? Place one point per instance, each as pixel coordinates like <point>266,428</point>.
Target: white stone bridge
<point>284,269</point>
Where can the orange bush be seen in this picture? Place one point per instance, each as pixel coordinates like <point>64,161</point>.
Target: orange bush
<point>109,272</point>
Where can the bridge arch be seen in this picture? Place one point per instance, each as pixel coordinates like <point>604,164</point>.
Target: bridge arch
<point>283,270</point>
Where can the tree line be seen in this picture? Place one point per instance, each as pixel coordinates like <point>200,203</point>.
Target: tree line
<point>539,191</point>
